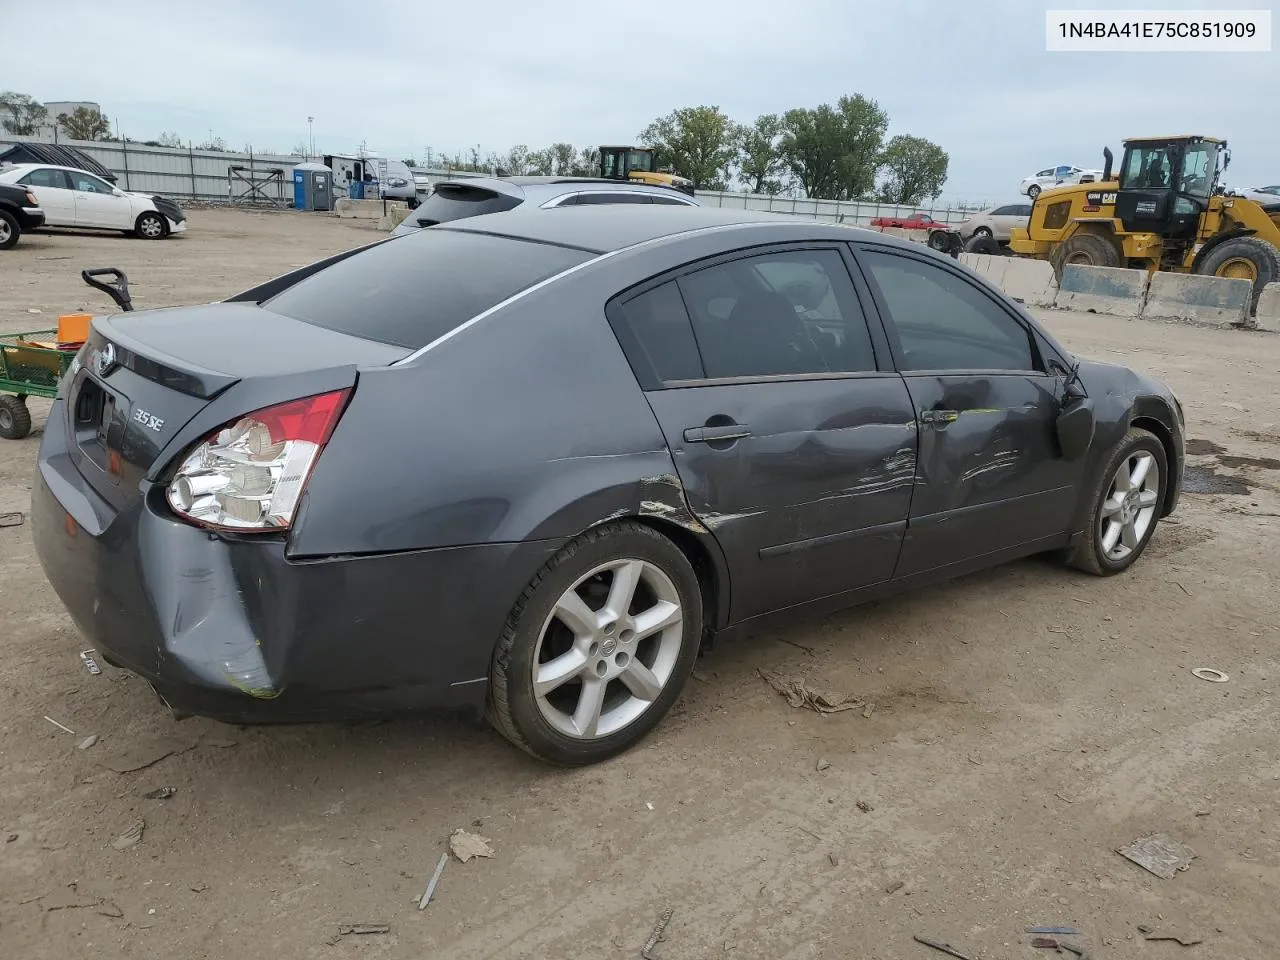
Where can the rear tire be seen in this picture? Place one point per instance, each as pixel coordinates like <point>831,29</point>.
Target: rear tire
<point>1122,515</point>
<point>15,418</point>
<point>150,226</point>
<point>1246,258</point>
<point>1086,249</point>
<point>983,232</point>
<point>9,230</point>
<point>984,243</point>
<point>622,659</point>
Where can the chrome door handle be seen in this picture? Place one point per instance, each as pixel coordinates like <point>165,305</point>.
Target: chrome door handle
<point>718,434</point>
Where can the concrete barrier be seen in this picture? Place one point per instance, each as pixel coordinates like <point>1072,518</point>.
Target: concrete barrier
<point>1111,290</point>
<point>1187,296</point>
<point>1024,279</point>
<point>989,265</point>
<point>366,209</point>
<point>1268,315</point>
<point>395,216</point>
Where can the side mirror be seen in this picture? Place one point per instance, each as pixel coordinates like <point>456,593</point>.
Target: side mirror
<point>1075,427</point>
<point>117,192</point>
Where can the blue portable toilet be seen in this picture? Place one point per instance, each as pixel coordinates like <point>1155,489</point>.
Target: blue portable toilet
<point>312,187</point>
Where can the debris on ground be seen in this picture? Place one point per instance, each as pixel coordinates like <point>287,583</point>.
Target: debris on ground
<point>109,909</point>
<point>1062,931</point>
<point>215,742</point>
<point>1080,952</point>
<point>198,887</point>
<point>943,947</point>
<point>360,929</point>
<point>1210,674</point>
<point>435,878</point>
<point>895,886</point>
<point>1186,941</point>
<point>822,765</point>
<point>142,755</point>
<point>656,936</point>
<point>467,845</point>
<point>1159,854</point>
<point>90,664</point>
<point>10,519</point>
<point>58,725</point>
<point>834,859</point>
<point>131,836</point>
<point>864,806</point>
<point>87,742</point>
<point>160,793</point>
<point>868,710</point>
<point>699,676</point>
<point>1044,943</point>
<point>799,694</point>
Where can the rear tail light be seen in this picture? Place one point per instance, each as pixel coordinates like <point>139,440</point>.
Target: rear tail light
<point>249,475</point>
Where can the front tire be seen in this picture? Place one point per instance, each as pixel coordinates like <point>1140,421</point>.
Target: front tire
<point>982,232</point>
<point>150,226</point>
<point>10,231</point>
<point>598,647</point>
<point>1124,506</point>
<point>1244,258</point>
<point>1033,191</point>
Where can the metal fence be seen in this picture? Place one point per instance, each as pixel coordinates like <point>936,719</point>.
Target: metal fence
<point>188,173</point>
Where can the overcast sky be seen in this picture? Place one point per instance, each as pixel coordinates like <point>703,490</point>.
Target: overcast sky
<point>402,76</point>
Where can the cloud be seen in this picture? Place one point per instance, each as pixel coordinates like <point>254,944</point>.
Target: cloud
<point>402,76</point>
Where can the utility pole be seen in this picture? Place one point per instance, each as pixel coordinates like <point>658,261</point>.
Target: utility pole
<point>311,138</point>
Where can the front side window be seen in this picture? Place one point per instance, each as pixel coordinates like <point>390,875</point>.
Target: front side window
<point>944,322</point>
<point>1147,168</point>
<point>89,184</point>
<point>46,177</point>
<point>778,314</point>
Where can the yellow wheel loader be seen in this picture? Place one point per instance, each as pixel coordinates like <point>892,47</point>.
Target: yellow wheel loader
<point>1163,210</point>
<point>639,165</point>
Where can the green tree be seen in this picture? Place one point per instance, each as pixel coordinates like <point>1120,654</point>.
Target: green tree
<point>25,113</point>
<point>541,162</point>
<point>587,162</point>
<point>410,162</point>
<point>760,161</point>
<point>834,152</point>
<point>84,123</point>
<point>698,142</point>
<point>173,140</point>
<point>912,169</point>
<point>517,160</point>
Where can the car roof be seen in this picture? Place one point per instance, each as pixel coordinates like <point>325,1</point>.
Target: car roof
<point>544,188</point>
<point>44,166</point>
<point>609,227</point>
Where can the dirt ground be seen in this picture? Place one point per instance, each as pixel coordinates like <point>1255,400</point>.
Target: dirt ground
<point>1027,722</point>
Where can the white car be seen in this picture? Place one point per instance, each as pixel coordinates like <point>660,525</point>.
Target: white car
<point>74,198</point>
<point>995,222</point>
<point>1267,196</point>
<point>1056,177</point>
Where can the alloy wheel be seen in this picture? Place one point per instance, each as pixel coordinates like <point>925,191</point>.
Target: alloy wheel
<point>608,649</point>
<point>1129,509</point>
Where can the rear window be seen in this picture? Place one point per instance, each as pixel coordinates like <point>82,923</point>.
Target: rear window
<point>414,289</point>
<point>456,201</point>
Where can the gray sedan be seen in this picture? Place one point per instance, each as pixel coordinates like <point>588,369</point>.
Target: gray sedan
<point>533,463</point>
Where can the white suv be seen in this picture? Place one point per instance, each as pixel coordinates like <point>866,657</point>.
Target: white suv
<point>74,198</point>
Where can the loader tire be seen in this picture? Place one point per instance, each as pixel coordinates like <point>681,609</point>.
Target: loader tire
<point>1244,258</point>
<point>1085,249</point>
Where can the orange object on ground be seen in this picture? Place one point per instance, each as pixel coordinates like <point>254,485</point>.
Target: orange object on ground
<point>74,327</point>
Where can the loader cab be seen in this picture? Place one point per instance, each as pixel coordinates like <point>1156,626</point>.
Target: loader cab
<point>1165,184</point>
<point>617,163</point>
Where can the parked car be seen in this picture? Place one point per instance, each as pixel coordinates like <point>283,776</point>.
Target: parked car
<point>915,221</point>
<point>473,196</point>
<point>74,198</point>
<point>995,222</point>
<point>19,211</point>
<point>1269,197</point>
<point>1056,177</point>
<point>531,462</point>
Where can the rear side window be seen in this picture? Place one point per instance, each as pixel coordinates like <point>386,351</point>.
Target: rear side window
<point>451,201</point>
<point>656,334</point>
<point>415,289</point>
<point>47,177</point>
<point>620,197</point>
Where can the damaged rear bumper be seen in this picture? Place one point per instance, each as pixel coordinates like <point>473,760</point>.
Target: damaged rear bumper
<point>235,629</point>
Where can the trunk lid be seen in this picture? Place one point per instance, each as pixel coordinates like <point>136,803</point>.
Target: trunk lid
<point>143,377</point>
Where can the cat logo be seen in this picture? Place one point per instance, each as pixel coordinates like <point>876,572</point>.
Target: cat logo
<point>1096,198</point>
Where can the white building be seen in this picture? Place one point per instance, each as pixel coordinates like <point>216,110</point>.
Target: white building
<point>51,128</point>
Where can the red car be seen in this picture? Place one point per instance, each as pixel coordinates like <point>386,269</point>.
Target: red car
<point>917,221</point>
